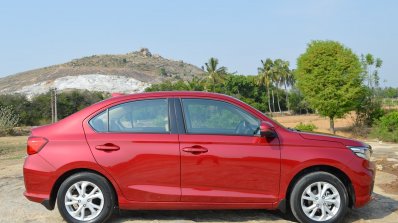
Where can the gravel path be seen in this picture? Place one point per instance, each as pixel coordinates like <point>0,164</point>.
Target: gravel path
<point>14,207</point>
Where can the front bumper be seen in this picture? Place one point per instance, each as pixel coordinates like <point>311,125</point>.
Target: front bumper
<point>363,181</point>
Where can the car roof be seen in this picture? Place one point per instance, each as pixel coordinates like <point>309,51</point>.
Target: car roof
<point>170,94</point>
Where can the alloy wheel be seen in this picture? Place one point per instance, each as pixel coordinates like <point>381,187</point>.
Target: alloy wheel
<point>320,201</point>
<point>84,200</point>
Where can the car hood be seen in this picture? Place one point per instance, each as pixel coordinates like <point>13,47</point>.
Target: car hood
<point>331,138</point>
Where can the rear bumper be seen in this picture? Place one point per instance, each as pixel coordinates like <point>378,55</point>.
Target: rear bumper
<point>38,198</point>
<point>44,200</point>
<point>38,178</point>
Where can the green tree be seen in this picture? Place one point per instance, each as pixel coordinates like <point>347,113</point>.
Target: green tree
<point>371,66</point>
<point>370,108</point>
<point>195,84</point>
<point>215,74</point>
<point>329,76</point>
<point>297,102</point>
<point>8,119</point>
<point>288,81</point>
<point>20,104</point>
<point>265,77</point>
<point>68,103</point>
<point>281,77</point>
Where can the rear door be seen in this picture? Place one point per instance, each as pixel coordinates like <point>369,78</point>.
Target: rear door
<point>223,158</point>
<point>136,142</point>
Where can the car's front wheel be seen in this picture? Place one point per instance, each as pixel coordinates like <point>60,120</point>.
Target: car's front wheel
<point>85,197</point>
<point>319,197</point>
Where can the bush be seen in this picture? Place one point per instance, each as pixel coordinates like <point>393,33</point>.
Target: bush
<point>20,104</point>
<point>306,127</point>
<point>8,120</point>
<point>368,111</point>
<point>298,104</point>
<point>386,128</point>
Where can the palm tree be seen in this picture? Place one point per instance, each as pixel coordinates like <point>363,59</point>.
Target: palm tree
<point>215,74</point>
<point>265,78</point>
<point>194,84</point>
<point>278,74</point>
<point>283,76</point>
<point>288,82</point>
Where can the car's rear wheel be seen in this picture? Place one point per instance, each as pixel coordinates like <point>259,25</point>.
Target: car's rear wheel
<point>85,197</point>
<point>319,197</point>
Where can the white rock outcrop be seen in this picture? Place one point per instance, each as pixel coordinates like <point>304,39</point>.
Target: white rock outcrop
<point>91,82</point>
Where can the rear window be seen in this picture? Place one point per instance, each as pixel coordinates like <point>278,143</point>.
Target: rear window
<point>100,122</point>
<point>145,116</point>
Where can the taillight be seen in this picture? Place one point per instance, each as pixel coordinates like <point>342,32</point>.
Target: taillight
<point>35,144</point>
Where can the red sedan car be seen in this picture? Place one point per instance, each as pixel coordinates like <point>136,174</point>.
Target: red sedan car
<point>191,150</point>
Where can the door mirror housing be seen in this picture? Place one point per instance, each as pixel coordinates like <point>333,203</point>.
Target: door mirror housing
<point>267,130</point>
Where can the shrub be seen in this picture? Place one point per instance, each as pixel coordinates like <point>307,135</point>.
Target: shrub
<point>368,111</point>
<point>387,127</point>
<point>163,72</point>
<point>306,127</point>
<point>8,120</point>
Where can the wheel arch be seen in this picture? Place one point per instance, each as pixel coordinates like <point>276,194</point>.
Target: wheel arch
<point>325,168</point>
<point>50,204</point>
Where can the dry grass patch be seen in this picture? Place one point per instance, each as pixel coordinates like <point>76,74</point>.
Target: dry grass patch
<point>342,125</point>
<point>12,147</point>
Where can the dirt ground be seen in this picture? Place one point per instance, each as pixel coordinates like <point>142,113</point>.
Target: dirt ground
<point>342,125</point>
<point>14,207</point>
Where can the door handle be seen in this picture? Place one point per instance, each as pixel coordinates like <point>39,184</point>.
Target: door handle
<point>107,147</point>
<point>195,150</point>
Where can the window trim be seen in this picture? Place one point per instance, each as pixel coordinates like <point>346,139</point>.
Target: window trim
<point>182,118</point>
<point>172,128</point>
<point>179,116</point>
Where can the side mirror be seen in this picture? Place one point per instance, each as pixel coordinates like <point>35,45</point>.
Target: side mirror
<point>267,130</point>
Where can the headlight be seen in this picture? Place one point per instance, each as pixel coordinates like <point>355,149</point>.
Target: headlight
<point>361,151</point>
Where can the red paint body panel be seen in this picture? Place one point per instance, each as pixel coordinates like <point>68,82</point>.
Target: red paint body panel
<point>147,166</point>
<point>235,169</point>
<point>153,171</point>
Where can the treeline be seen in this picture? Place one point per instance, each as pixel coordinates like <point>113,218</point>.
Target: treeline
<point>272,90</point>
<point>37,111</point>
<point>330,80</point>
<point>246,89</point>
<point>388,93</point>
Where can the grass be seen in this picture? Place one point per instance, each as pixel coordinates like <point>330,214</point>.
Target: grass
<point>12,147</point>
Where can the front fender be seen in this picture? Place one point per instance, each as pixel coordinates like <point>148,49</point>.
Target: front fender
<point>296,159</point>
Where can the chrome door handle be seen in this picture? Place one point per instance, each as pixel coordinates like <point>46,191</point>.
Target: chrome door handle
<point>195,150</point>
<point>107,147</point>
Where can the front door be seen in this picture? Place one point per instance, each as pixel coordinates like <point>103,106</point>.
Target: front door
<point>223,159</point>
<point>134,143</point>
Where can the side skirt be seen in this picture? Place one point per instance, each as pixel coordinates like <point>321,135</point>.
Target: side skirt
<point>193,206</point>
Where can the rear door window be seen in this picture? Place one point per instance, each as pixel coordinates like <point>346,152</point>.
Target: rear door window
<point>144,116</point>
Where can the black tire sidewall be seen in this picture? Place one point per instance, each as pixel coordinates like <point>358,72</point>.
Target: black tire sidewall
<point>304,182</point>
<point>101,182</point>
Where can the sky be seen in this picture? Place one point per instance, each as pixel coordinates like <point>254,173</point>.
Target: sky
<point>35,34</point>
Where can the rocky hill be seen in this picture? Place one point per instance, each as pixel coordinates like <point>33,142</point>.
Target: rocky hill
<point>127,73</point>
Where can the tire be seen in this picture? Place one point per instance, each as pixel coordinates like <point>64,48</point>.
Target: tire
<point>96,204</point>
<point>331,206</point>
